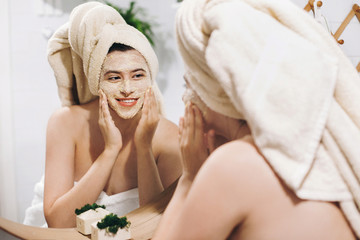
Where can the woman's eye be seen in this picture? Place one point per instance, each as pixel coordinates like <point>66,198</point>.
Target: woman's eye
<point>139,75</point>
<point>114,78</point>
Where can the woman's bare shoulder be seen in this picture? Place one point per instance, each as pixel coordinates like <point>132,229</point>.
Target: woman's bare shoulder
<point>167,127</point>
<point>69,122</point>
<point>239,164</point>
<point>237,151</point>
<point>72,114</point>
<point>256,192</point>
<point>166,131</point>
<point>166,138</point>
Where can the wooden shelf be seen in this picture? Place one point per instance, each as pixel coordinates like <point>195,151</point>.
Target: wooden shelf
<point>310,5</point>
<point>355,11</point>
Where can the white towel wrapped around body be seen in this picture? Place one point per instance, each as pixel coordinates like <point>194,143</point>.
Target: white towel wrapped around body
<point>77,50</point>
<point>119,204</point>
<point>270,63</point>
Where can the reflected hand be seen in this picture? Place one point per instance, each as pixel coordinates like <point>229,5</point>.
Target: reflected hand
<point>111,134</point>
<point>148,122</point>
<point>194,144</point>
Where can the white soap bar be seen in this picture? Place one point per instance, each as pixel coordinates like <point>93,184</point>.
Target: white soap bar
<point>84,220</point>
<point>102,234</point>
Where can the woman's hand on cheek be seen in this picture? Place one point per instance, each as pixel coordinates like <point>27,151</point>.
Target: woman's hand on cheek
<point>193,146</point>
<point>111,134</point>
<point>148,122</point>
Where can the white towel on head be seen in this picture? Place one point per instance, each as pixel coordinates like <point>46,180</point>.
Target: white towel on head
<point>78,49</point>
<point>270,63</point>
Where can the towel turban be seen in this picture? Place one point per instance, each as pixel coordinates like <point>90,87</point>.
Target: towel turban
<point>77,50</point>
<point>268,62</point>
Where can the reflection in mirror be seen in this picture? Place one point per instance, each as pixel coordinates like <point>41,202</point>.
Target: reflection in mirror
<point>107,149</point>
<point>34,90</point>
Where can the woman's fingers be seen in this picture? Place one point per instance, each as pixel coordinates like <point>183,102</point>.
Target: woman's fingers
<point>191,122</point>
<point>153,109</point>
<point>104,108</point>
<point>150,110</point>
<point>154,106</point>
<point>104,112</point>
<point>187,124</point>
<point>211,140</point>
<point>181,126</point>
<point>149,120</point>
<point>110,132</point>
<point>193,147</point>
<point>101,108</point>
<point>146,104</point>
<point>198,127</point>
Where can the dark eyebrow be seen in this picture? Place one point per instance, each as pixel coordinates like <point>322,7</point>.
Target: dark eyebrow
<point>138,69</point>
<point>117,72</point>
<point>112,71</point>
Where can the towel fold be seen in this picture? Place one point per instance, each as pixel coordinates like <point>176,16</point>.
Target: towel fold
<point>77,50</point>
<point>119,203</point>
<point>34,214</point>
<point>270,63</point>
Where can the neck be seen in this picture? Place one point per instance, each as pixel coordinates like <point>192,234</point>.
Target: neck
<point>126,126</point>
<point>233,129</point>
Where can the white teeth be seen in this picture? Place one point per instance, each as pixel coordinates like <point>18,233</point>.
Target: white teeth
<point>128,100</point>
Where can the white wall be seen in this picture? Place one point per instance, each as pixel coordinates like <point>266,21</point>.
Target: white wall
<point>34,95</point>
<point>335,11</point>
<point>7,170</point>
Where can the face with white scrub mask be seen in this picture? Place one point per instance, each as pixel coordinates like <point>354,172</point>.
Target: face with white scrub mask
<point>191,96</point>
<point>125,77</point>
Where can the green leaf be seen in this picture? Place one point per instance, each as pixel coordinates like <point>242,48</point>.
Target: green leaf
<point>130,15</point>
<point>112,223</point>
<point>87,207</point>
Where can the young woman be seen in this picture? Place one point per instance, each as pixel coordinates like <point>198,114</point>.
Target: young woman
<point>108,149</point>
<point>267,79</point>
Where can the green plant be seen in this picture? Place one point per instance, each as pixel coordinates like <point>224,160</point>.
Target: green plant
<point>88,207</point>
<point>130,15</point>
<point>112,223</point>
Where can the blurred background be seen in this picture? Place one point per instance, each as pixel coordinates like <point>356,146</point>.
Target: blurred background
<point>29,93</point>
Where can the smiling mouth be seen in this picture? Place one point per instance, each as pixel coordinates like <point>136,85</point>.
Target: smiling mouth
<point>127,102</point>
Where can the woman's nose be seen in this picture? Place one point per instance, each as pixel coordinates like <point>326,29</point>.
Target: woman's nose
<point>126,88</point>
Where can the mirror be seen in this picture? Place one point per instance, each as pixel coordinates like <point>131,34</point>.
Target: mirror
<point>31,92</point>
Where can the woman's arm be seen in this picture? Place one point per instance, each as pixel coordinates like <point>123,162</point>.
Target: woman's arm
<point>169,154</point>
<point>194,151</point>
<point>155,173</point>
<point>209,203</point>
<point>219,198</point>
<point>61,197</point>
<point>149,182</point>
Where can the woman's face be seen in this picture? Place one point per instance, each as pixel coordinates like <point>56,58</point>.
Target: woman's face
<point>191,96</point>
<point>125,77</point>
<point>222,125</point>
<point>212,119</point>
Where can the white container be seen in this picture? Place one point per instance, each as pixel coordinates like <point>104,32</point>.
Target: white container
<point>85,219</point>
<point>102,234</point>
